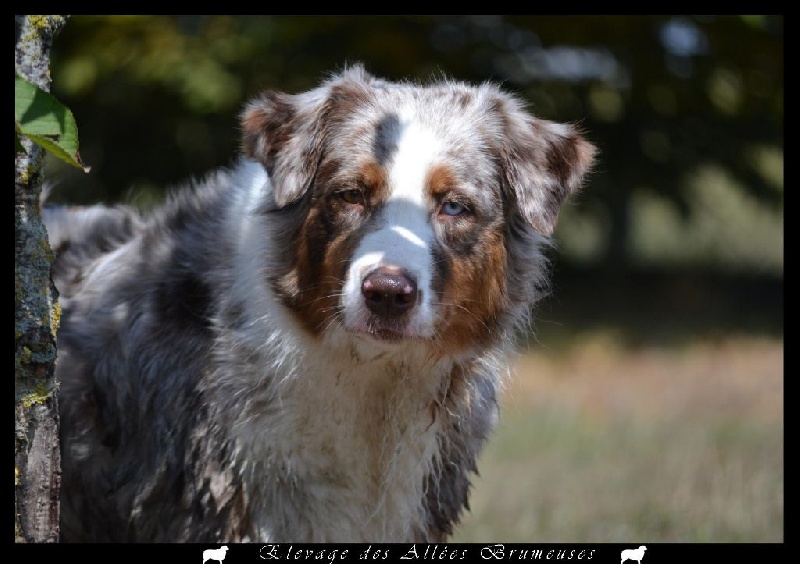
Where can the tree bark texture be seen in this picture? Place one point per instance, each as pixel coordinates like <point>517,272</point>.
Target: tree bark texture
<point>36,315</point>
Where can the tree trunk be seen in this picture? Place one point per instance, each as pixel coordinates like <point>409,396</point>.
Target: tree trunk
<point>36,315</point>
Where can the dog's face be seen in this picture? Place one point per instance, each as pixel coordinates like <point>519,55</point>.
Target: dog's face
<point>411,212</point>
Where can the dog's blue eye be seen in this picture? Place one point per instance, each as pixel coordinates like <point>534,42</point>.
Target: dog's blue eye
<point>453,208</point>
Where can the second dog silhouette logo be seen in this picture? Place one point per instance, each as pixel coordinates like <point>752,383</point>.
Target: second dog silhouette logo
<point>633,554</point>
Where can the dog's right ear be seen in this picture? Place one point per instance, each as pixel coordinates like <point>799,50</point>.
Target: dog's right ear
<point>286,133</point>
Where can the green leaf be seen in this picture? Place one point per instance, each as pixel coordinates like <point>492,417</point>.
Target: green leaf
<point>44,120</point>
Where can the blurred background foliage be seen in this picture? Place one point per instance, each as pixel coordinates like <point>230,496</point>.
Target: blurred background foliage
<point>652,409</point>
<point>685,206</point>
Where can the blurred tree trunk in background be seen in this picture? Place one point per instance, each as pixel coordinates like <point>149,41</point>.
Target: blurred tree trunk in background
<point>36,449</point>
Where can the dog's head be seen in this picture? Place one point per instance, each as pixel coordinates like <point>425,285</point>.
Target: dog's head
<point>411,212</point>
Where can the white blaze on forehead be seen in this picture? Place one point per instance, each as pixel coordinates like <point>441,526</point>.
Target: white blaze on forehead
<point>406,230</point>
<point>414,153</point>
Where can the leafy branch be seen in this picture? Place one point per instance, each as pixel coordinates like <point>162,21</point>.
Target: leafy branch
<point>45,121</point>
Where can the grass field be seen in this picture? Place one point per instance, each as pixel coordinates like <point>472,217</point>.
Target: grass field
<point>599,442</point>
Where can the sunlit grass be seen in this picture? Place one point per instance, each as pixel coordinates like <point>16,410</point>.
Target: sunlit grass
<point>606,445</point>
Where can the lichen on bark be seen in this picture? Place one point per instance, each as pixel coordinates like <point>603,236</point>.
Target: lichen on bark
<point>36,450</point>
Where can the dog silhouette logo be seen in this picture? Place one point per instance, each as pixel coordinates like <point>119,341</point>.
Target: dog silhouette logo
<point>633,554</point>
<point>217,554</point>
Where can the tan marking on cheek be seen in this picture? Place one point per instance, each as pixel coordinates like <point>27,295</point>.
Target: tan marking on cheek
<point>475,296</point>
<point>305,287</point>
<point>314,284</point>
<point>320,279</point>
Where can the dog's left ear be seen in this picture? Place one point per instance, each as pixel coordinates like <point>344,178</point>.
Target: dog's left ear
<point>543,162</point>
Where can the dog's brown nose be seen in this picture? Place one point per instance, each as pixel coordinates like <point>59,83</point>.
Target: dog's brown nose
<point>388,291</point>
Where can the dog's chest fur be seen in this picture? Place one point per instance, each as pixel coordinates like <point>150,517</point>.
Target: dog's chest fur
<point>354,444</point>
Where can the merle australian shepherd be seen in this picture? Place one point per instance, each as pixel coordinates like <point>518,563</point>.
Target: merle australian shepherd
<point>309,345</point>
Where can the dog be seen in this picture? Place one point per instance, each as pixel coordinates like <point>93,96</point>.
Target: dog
<point>308,345</point>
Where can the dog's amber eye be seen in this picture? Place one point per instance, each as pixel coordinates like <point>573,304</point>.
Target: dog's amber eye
<point>452,208</point>
<point>353,197</point>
